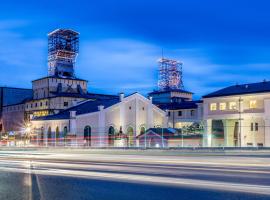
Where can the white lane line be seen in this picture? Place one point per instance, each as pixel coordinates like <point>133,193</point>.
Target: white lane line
<point>178,182</point>
<point>87,166</point>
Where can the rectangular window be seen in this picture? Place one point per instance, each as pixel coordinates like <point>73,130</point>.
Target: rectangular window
<point>65,104</point>
<point>179,113</point>
<point>253,104</point>
<point>251,127</point>
<point>192,113</point>
<point>249,144</point>
<point>256,126</point>
<point>169,113</point>
<point>232,105</point>
<point>213,106</point>
<point>222,106</point>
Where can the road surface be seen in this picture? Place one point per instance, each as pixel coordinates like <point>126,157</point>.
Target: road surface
<point>72,175</point>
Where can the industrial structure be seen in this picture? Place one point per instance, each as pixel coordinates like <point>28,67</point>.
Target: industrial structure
<point>170,74</point>
<point>63,48</point>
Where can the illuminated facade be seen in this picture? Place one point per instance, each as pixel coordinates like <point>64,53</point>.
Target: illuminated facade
<point>111,122</point>
<point>238,116</point>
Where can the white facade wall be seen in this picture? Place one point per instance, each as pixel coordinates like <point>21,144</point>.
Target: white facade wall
<point>246,115</point>
<point>133,111</point>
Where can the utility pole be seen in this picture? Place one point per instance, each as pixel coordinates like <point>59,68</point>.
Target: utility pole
<point>240,121</point>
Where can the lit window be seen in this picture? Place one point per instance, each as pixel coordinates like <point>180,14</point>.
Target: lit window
<point>213,106</point>
<point>222,106</point>
<point>232,105</point>
<point>253,104</point>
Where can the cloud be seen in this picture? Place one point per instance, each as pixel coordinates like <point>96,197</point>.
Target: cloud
<point>115,65</point>
<point>127,64</point>
<point>20,57</point>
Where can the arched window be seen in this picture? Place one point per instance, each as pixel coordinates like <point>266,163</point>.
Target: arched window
<point>49,135</point>
<point>65,131</point>
<point>142,130</point>
<point>57,133</point>
<point>41,135</point>
<point>130,134</point>
<point>87,134</point>
<point>111,134</point>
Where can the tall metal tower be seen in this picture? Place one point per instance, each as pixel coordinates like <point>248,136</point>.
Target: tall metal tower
<point>170,74</point>
<point>63,48</point>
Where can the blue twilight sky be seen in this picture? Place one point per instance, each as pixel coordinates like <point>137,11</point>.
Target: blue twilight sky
<point>220,42</point>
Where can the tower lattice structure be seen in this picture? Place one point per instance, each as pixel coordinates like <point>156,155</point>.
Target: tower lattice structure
<point>170,74</point>
<point>63,48</point>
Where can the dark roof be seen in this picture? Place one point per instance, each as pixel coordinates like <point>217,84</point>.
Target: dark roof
<point>85,95</point>
<point>170,90</point>
<point>102,96</point>
<point>166,132</point>
<point>83,108</point>
<point>178,105</point>
<point>250,88</point>
<point>67,78</point>
<point>67,94</point>
<point>171,133</point>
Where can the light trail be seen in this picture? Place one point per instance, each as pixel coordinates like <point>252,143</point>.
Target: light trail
<point>236,174</point>
<point>177,182</point>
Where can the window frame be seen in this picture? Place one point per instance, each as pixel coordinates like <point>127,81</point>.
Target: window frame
<point>213,106</point>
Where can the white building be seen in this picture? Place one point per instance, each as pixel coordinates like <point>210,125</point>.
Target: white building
<point>182,111</point>
<point>110,122</point>
<point>238,115</point>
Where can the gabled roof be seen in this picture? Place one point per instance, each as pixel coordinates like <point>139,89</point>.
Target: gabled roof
<point>250,88</point>
<point>170,90</point>
<point>171,133</point>
<point>86,107</point>
<point>165,132</point>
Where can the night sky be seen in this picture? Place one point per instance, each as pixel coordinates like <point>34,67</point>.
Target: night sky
<point>220,42</point>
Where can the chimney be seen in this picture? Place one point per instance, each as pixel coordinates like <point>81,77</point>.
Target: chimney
<point>72,114</point>
<point>100,108</point>
<point>121,96</point>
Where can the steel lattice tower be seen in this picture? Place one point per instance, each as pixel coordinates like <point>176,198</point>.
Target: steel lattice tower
<point>170,74</point>
<point>63,48</point>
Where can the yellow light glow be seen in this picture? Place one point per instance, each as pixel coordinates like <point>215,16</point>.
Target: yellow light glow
<point>232,105</point>
<point>213,106</point>
<point>252,104</point>
<point>222,106</point>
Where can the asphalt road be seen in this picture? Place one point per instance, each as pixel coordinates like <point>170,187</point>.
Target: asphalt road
<point>87,175</point>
